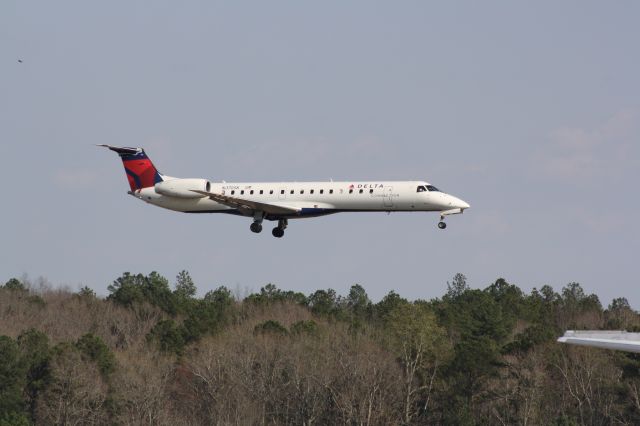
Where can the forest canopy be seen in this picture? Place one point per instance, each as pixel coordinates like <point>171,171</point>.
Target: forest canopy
<point>152,352</point>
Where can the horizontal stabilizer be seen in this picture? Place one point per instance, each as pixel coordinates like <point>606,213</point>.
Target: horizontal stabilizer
<point>123,150</point>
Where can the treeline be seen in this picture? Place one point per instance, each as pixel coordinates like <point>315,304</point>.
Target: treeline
<point>152,353</point>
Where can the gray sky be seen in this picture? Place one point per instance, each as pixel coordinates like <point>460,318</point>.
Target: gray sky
<point>530,112</point>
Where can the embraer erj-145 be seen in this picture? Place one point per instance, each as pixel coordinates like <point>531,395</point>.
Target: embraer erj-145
<point>280,201</point>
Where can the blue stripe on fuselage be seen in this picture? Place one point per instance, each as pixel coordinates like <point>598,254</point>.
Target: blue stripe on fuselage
<point>312,211</point>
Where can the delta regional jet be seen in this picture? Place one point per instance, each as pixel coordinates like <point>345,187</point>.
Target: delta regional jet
<point>280,201</point>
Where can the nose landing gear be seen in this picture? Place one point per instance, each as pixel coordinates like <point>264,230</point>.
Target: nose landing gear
<point>441,224</point>
<point>457,210</point>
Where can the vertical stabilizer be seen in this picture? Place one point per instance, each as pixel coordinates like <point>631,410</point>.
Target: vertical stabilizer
<point>141,173</point>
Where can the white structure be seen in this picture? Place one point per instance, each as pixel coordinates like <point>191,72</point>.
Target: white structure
<point>280,201</point>
<point>619,340</point>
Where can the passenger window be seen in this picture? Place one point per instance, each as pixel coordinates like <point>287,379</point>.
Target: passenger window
<point>331,191</point>
<point>233,192</point>
<point>251,192</point>
<point>242,192</point>
<point>271,191</point>
<point>351,191</point>
<point>322,191</point>
<point>292,191</point>
<point>302,191</point>
<point>311,192</point>
<point>361,191</point>
<point>371,191</point>
<point>261,192</point>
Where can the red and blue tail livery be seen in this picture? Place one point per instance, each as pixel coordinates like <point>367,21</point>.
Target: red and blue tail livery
<point>141,173</point>
<point>280,201</point>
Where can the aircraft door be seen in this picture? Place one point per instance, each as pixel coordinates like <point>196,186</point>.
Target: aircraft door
<point>388,197</point>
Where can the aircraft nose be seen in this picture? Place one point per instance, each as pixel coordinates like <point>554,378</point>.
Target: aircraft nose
<point>457,203</point>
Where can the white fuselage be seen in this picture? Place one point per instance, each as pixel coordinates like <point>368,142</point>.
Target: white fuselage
<point>315,198</point>
<point>279,201</point>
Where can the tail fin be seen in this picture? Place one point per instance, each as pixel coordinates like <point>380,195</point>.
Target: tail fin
<point>141,173</point>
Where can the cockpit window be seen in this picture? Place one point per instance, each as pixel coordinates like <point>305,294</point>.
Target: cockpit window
<point>432,188</point>
<point>422,188</point>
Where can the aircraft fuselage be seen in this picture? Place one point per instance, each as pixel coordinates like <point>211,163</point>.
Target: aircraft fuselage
<point>314,198</point>
<point>279,201</point>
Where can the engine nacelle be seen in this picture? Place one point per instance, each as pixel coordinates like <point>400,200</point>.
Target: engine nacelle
<point>182,188</point>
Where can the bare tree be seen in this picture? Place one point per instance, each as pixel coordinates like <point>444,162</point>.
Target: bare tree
<point>422,347</point>
<point>77,393</point>
<point>142,388</point>
<point>587,375</point>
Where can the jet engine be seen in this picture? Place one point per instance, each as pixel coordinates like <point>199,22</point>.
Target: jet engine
<point>182,188</point>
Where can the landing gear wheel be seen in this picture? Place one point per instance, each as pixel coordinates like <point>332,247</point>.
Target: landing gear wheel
<point>278,232</point>
<point>256,227</point>
<point>442,225</point>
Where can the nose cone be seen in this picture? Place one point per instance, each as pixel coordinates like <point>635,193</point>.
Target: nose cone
<point>457,203</point>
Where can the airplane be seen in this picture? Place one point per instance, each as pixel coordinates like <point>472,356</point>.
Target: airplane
<point>280,201</point>
<point>614,339</point>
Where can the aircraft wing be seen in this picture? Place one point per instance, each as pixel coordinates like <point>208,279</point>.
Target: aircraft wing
<point>619,340</point>
<point>248,205</point>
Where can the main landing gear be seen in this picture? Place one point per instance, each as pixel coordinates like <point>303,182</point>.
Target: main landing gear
<point>278,231</point>
<point>256,226</point>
